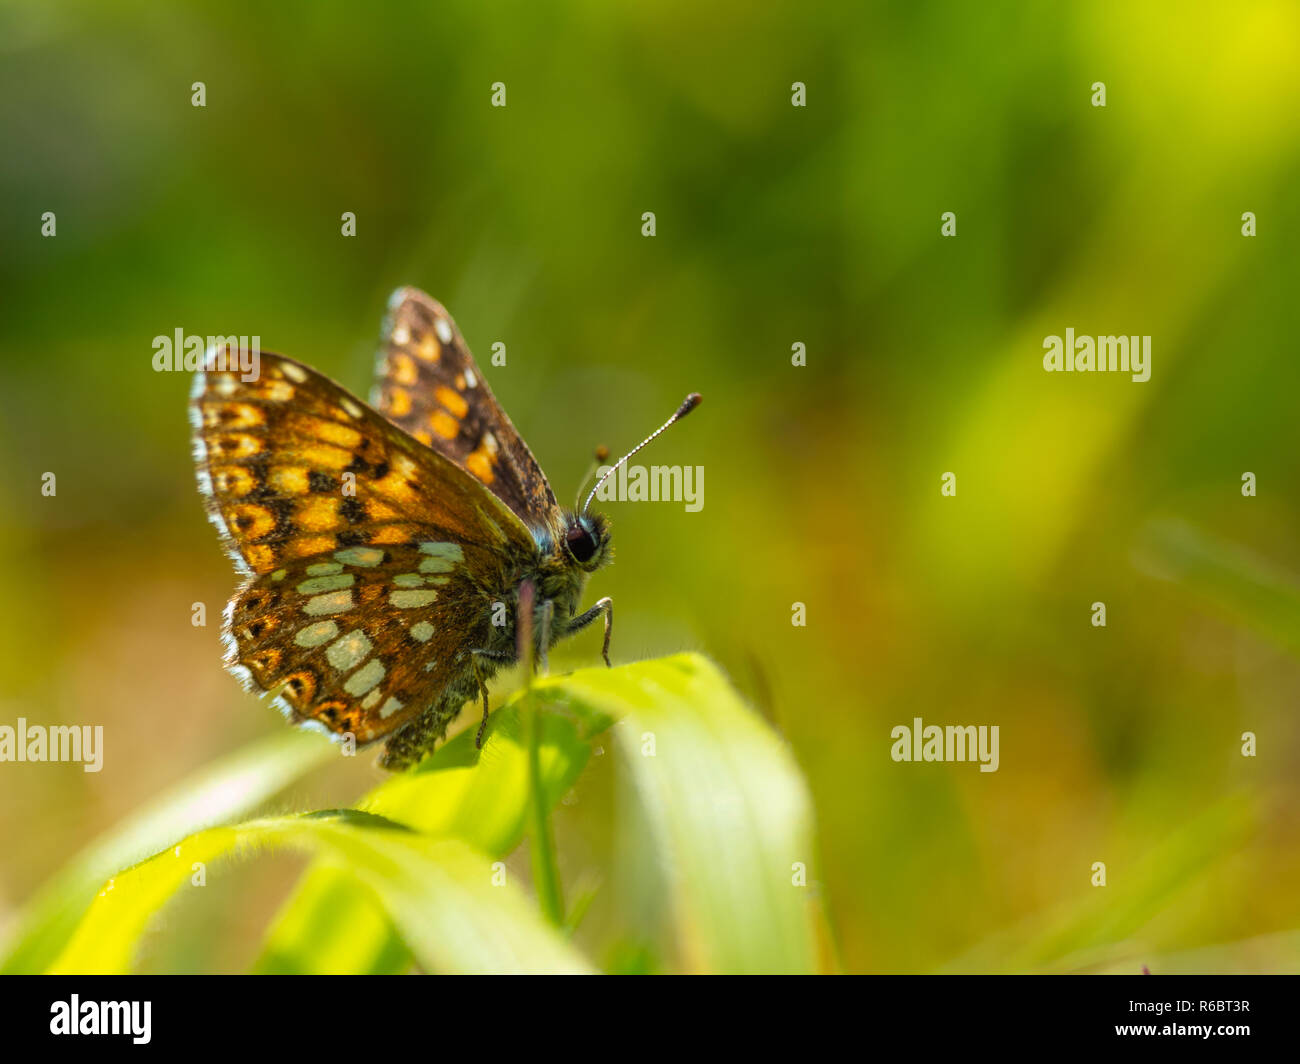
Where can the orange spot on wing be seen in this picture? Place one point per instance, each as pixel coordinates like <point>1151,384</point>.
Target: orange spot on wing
<point>399,402</point>
<point>427,348</point>
<point>333,714</point>
<point>233,416</point>
<point>250,521</point>
<point>289,480</point>
<point>233,480</point>
<point>260,558</point>
<point>300,688</point>
<point>402,369</point>
<point>380,512</point>
<point>263,626</point>
<point>453,402</point>
<point>307,546</point>
<point>323,456</point>
<point>482,460</point>
<point>444,425</point>
<point>327,431</point>
<point>264,662</point>
<point>276,391</point>
<point>480,465</point>
<point>235,445</point>
<point>393,534</point>
<point>318,513</point>
<point>395,487</point>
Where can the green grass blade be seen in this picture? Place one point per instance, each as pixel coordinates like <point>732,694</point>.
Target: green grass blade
<point>480,797</point>
<point>228,788</point>
<point>729,810</point>
<point>1099,927</point>
<point>1250,589</point>
<point>332,926</point>
<point>439,893</point>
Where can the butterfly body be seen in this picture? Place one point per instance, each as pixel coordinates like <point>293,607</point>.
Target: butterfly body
<point>384,547</point>
<point>557,585</point>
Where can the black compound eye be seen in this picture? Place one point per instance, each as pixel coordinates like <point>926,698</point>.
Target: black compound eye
<point>581,543</point>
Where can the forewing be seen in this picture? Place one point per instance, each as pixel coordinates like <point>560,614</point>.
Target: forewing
<point>373,560</point>
<point>427,384</point>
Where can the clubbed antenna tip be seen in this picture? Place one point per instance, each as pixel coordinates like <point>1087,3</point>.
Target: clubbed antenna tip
<point>688,404</point>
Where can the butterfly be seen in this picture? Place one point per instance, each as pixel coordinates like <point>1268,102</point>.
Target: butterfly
<point>393,553</point>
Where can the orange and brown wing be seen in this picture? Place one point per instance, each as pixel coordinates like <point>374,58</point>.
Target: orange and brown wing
<point>373,560</point>
<point>428,384</point>
<point>361,645</point>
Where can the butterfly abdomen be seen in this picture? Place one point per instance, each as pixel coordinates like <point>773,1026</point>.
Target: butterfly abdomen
<point>411,742</point>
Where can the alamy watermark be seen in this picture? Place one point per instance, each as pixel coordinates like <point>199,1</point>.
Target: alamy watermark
<point>183,353</point>
<point>953,742</point>
<point>77,1017</point>
<point>60,742</point>
<point>1098,354</point>
<point>636,483</point>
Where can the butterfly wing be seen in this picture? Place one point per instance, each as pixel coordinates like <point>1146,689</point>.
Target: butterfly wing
<point>371,653</point>
<point>428,385</point>
<point>372,560</point>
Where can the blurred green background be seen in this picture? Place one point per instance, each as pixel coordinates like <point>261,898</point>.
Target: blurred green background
<point>775,224</point>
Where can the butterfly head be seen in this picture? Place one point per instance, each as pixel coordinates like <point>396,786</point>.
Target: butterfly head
<point>587,540</point>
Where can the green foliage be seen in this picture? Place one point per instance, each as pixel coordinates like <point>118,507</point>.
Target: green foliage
<point>437,891</point>
<point>1247,588</point>
<point>410,876</point>
<point>228,788</point>
<point>1098,928</point>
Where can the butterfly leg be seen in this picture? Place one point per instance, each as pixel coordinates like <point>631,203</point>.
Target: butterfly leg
<point>605,606</point>
<point>482,687</point>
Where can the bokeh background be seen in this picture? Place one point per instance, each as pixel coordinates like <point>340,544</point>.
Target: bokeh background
<point>776,225</point>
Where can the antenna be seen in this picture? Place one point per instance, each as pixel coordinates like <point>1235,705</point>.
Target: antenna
<point>688,404</point>
<point>602,453</point>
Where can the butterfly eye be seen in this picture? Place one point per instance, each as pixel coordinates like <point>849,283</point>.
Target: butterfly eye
<point>581,543</point>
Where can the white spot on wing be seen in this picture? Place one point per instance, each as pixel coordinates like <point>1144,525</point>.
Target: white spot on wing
<point>364,678</point>
<point>316,634</point>
<point>407,600</point>
<point>319,569</point>
<point>334,602</point>
<point>366,557</point>
<point>349,650</point>
<point>326,583</point>
<point>450,551</point>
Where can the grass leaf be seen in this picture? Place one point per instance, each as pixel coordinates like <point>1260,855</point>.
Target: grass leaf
<point>1098,928</point>
<point>731,812</point>
<point>478,796</point>
<point>408,876</point>
<point>1251,589</point>
<point>731,816</point>
<point>438,893</point>
<point>226,789</point>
